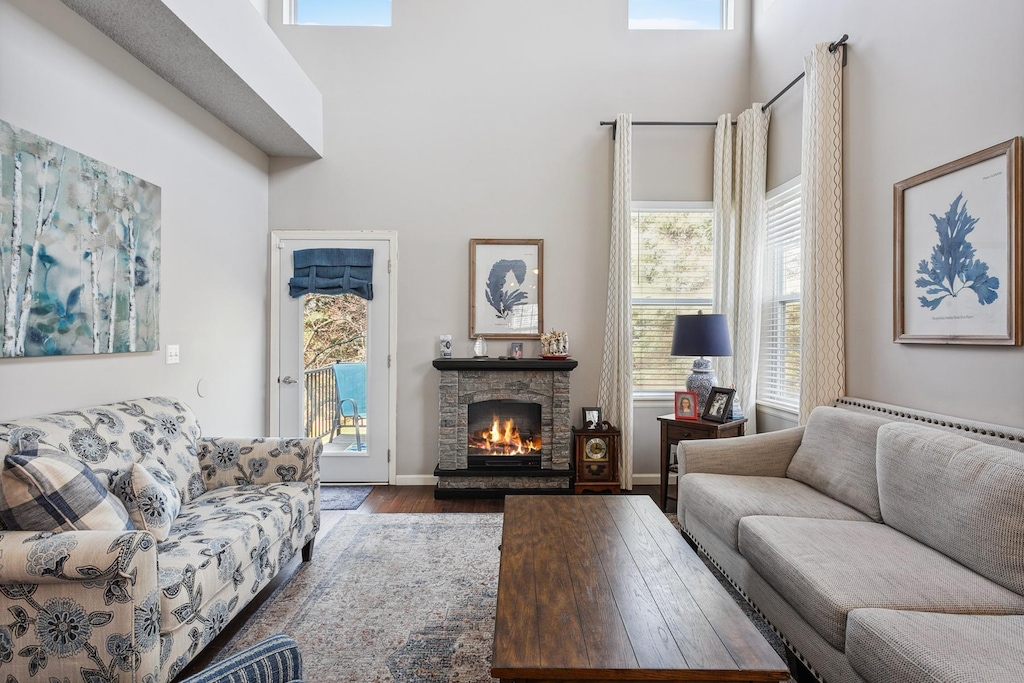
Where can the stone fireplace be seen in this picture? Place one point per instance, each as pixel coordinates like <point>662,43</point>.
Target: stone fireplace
<point>505,427</point>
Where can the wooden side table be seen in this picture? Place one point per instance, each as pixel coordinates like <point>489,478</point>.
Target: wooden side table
<point>673,431</point>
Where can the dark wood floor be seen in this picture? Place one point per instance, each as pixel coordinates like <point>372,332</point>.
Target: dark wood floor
<point>382,500</point>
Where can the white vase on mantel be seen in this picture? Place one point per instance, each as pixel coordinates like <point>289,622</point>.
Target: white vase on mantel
<point>480,348</point>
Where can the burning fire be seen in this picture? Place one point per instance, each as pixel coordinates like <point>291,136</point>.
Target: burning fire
<point>503,439</point>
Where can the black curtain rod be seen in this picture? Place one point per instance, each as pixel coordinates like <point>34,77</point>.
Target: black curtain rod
<point>841,43</point>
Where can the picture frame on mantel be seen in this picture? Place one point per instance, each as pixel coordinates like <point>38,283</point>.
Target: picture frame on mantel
<point>957,251</point>
<point>506,288</point>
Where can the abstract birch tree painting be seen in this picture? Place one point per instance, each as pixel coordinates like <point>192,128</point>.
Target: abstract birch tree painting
<point>79,252</point>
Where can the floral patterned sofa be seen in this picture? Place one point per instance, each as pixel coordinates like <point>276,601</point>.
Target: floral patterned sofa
<point>97,598</point>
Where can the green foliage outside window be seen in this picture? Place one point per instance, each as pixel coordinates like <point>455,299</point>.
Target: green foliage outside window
<point>672,274</point>
<point>334,330</point>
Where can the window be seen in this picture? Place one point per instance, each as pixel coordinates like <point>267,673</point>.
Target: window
<point>339,12</point>
<point>680,15</point>
<point>672,271</point>
<point>779,377</point>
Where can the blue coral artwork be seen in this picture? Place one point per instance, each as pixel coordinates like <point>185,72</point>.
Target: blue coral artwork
<point>952,270</point>
<point>504,287</point>
<point>957,236</point>
<point>79,252</point>
<point>507,288</point>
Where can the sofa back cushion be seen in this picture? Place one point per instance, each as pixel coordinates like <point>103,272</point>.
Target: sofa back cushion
<point>837,457</point>
<point>109,438</point>
<point>956,495</point>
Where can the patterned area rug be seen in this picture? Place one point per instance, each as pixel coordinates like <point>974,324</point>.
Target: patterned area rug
<point>336,497</point>
<point>404,598</point>
<point>407,598</point>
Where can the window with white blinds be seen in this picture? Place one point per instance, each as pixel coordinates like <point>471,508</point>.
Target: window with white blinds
<point>672,270</point>
<point>779,375</point>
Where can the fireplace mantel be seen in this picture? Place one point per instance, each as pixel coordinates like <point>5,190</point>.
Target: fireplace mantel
<point>452,364</point>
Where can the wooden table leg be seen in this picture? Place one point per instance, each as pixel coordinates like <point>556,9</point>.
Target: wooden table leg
<point>665,447</point>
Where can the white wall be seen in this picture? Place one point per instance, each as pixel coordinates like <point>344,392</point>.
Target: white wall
<point>64,80</point>
<point>479,118</point>
<point>928,81</point>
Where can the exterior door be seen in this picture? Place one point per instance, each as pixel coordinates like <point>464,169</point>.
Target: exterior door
<point>349,403</point>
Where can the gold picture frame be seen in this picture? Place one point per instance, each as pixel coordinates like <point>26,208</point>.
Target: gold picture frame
<point>506,292</point>
<point>957,251</point>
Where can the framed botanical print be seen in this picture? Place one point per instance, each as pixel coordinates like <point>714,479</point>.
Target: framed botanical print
<point>957,251</point>
<point>506,288</point>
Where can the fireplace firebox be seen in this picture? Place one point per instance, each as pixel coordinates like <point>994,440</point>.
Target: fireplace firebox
<point>503,433</point>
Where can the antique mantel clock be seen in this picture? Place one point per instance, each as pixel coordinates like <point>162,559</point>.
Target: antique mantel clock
<point>597,458</point>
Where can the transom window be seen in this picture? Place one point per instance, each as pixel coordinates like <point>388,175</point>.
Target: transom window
<point>680,15</point>
<point>672,270</point>
<point>779,375</point>
<point>338,12</point>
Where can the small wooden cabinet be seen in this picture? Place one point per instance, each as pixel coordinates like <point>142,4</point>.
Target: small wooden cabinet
<point>673,431</point>
<point>596,453</point>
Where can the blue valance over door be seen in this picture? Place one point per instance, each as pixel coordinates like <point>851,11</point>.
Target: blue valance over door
<point>332,271</point>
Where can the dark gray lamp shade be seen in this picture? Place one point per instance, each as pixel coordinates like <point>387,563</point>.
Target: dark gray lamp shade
<point>701,335</point>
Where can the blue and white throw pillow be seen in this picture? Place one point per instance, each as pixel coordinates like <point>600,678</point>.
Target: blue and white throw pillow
<point>46,490</point>
<point>149,494</point>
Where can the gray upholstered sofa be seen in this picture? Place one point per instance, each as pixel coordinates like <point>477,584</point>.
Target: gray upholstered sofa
<point>128,540</point>
<point>885,545</point>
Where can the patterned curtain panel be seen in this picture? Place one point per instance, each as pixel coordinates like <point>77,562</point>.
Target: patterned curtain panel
<point>615,392</point>
<point>741,159</point>
<point>725,229</point>
<point>823,352</point>
<point>332,271</point>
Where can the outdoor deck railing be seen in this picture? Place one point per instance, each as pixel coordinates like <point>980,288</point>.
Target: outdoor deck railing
<point>321,403</point>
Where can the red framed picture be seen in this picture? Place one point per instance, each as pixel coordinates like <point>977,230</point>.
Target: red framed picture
<point>686,405</point>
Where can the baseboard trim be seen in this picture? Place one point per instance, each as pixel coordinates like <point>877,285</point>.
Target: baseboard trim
<point>429,480</point>
<point>415,480</point>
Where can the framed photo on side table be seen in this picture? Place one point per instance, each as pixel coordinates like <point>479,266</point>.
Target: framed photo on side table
<point>686,405</point>
<point>591,418</point>
<point>957,251</point>
<point>506,289</point>
<point>718,407</point>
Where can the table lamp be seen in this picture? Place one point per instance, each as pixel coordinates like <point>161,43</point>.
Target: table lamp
<point>701,335</point>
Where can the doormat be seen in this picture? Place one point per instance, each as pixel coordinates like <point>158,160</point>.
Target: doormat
<point>335,497</point>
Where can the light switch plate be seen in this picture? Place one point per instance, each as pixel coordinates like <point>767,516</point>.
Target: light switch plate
<point>173,354</point>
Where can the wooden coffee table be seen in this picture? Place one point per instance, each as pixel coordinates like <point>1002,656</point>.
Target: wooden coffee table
<point>604,588</point>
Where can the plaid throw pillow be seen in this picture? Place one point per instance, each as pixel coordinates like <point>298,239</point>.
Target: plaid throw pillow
<point>49,491</point>
<point>149,494</point>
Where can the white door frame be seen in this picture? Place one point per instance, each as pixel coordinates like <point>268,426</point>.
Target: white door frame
<point>274,367</point>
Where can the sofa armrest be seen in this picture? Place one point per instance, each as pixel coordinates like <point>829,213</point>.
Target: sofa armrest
<point>79,604</point>
<point>239,461</point>
<point>764,455</point>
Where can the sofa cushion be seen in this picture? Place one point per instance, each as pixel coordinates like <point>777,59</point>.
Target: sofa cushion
<point>959,496</point>
<point>149,495</point>
<point>224,547</point>
<point>889,646</point>
<point>837,457</point>
<point>110,437</point>
<point>722,500</point>
<point>825,568</point>
<point>49,491</point>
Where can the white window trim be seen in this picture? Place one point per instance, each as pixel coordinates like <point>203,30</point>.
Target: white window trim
<point>665,396</point>
<point>768,406</point>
